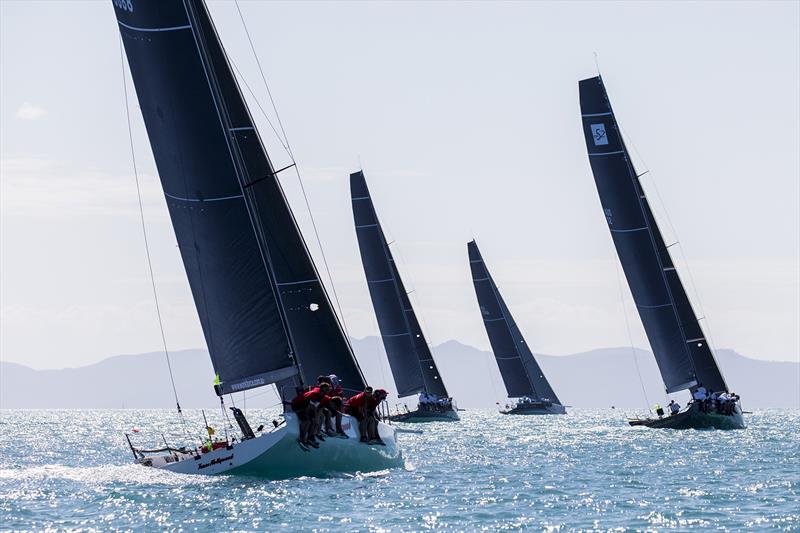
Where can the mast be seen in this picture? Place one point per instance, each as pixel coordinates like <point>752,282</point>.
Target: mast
<point>681,350</point>
<point>264,310</point>
<point>410,357</point>
<point>521,373</point>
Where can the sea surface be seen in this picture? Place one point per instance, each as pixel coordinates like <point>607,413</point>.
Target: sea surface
<point>584,471</point>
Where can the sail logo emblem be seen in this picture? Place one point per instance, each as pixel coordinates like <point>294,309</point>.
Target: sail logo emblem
<point>599,134</point>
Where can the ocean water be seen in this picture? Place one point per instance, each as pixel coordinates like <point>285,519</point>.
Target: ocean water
<point>584,471</point>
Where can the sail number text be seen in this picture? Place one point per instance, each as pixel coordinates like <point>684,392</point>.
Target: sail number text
<point>126,5</point>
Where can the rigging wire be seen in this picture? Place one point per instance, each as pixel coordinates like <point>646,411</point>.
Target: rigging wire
<point>424,325</point>
<point>398,280</point>
<point>672,229</point>
<point>258,103</point>
<point>616,264</point>
<point>381,360</point>
<point>491,376</point>
<point>491,350</point>
<point>416,310</point>
<point>146,242</point>
<point>263,78</point>
<point>285,143</point>
<point>630,336</point>
<point>684,262</point>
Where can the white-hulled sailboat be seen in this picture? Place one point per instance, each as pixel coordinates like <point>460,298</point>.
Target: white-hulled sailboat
<point>681,349</point>
<point>264,310</point>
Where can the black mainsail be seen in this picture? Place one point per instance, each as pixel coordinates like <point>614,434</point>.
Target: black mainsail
<point>682,352</point>
<point>265,313</point>
<point>521,373</point>
<point>410,357</point>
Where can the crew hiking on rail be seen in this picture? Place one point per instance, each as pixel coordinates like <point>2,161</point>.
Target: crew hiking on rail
<point>319,411</point>
<point>363,407</point>
<point>431,402</point>
<point>723,403</point>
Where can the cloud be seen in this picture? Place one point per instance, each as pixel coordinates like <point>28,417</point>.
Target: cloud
<point>29,111</point>
<point>34,186</point>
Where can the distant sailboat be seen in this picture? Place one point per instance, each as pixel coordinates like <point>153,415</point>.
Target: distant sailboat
<point>522,375</point>
<point>681,348</point>
<point>263,308</point>
<point>410,357</point>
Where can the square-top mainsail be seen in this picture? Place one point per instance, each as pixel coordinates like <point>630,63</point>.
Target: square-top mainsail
<point>410,358</point>
<point>679,345</point>
<point>521,373</point>
<point>264,311</point>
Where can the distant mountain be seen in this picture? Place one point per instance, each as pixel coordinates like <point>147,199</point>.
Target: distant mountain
<point>599,378</point>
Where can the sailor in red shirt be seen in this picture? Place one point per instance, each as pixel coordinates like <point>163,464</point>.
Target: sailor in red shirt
<point>332,408</point>
<point>362,406</point>
<point>307,406</point>
<point>330,411</point>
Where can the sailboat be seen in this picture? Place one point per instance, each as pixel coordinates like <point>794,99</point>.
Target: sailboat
<point>522,375</point>
<point>676,337</point>
<point>265,314</point>
<point>410,358</point>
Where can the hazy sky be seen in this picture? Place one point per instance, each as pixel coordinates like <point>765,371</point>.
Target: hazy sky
<point>465,118</point>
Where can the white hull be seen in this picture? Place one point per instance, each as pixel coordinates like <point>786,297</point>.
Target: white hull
<point>425,415</point>
<point>277,455</point>
<point>536,409</point>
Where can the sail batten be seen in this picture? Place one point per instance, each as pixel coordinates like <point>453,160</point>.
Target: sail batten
<point>664,308</point>
<point>519,369</point>
<point>263,308</point>
<point>410,358</point>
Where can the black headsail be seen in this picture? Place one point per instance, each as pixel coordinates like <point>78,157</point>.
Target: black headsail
<point>680,347</point>
<point>521,373</point>
<point>410,358</point>
<point>264,311</point>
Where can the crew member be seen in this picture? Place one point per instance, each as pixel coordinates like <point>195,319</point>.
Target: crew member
<point>332,408</point>
<point>699,396</point>
<point>326,411</point>
<point>714,400</point>
<point>336,385</point>
<point>362,406</point>
<point>300,406</point>
<point>723,399</point>
<point>674,407</point>
<point>307,406</point>
<point>356,407</point>
<point>372,407</point>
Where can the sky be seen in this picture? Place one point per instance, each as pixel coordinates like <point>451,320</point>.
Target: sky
<point>465,119</point>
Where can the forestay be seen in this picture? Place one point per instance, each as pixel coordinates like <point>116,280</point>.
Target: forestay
<point>679,345</point>
<point>410,358</point>
<point>265,314</point>
<point>521,372</point>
